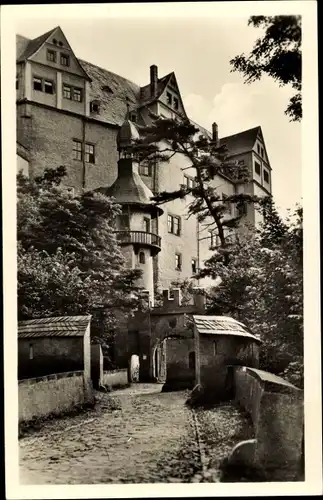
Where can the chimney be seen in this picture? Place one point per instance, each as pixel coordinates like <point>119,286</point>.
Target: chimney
<point>153,79</point>
<point>215,134</point>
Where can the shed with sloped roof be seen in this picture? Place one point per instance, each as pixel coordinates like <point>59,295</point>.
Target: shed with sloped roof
<point>54,345</point>
<point>222,341</point>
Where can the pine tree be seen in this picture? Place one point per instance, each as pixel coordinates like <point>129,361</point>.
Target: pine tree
<point>167,137</point>
<point>276,54</point>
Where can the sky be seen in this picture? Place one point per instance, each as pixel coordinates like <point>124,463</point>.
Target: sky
<point>198,50</point>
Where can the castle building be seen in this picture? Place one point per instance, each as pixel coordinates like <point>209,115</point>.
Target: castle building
<point>72,113</point>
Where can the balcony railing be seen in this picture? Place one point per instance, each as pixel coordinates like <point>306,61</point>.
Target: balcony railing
<point>139,238</point>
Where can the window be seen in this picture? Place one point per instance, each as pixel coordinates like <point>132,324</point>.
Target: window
<point>77,95</point>
<point>77,150</point>
<point>147,224</point>
<point>173,223</point>
<point>107,89</point>
<point>214,239</point>
<point>242,208</point>
<point>60,44</point>
<point>65,60</point>
<point>266,176</point>
<point>124,221</point>
<point>31,351</point>
<point>51,55</point>
<point>94,107</point>
<point>37,83</point>
<point>194,266</point>
<point>215,348</point>
<point>145,169</point>
<point>133,117</point>
<point>258,149</point>
<point>89,153</point>
<point>17,83</point>
<point>257,168</point>
<point>48,87</point>
<point>191,360</point>
<point>188,181</point>
<point>178,261</point>
<point>142,259</point>
<point>169,98</point>
<point>67,92</point>
<point>262,153</point>
<point>175,103</point>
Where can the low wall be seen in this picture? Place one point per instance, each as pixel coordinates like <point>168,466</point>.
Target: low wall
<point>52,394</point>
<point>114,378</point>
<point>276,408</point>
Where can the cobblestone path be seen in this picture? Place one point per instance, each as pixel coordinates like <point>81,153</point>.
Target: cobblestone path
<point>148,437</point>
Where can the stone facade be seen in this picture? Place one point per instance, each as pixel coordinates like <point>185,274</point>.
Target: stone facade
<point>50,120</point>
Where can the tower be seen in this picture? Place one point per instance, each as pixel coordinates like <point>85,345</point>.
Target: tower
<point>136,226</point>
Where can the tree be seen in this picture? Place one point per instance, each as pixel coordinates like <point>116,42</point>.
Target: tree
<point>69,261</point>
<point>262,286</point>
<point>276,54</point>
<point>167,137</point>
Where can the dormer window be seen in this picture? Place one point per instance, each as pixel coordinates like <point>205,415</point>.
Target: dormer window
<point>133,117</point>
<point>176,103</point>
<point>169,98</point>
<point>65,60</point>
<point>95,107</point>
<point>107,89</point>
<point>51,55</point>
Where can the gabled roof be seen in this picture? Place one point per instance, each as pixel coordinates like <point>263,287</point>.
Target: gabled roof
<point>34,45</point>
<point>242,142</point>
<point>221,325</point>
<point>145,94</point>
<point>61,326</point>
<point>113,92</point>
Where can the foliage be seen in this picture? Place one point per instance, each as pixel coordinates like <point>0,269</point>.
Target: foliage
<point>276,54</point>
<point>262,286</point>
<point>167,137</point>
<point>69,261</point>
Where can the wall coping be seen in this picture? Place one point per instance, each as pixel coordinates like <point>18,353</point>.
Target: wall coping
<point>53,376</point>
<point>270,382</point>
<point>121,370</point>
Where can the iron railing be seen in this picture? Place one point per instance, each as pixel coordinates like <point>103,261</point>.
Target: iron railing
<point>138,237</point>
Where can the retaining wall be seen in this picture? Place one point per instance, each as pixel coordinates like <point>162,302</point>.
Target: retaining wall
<point>114,378</point>
<point>52,394</point>
<point>277,412</point>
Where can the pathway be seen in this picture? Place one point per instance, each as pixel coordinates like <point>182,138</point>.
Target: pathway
<point>148,437</point>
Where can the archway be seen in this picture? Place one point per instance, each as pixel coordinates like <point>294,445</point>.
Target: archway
<point>134,366</point>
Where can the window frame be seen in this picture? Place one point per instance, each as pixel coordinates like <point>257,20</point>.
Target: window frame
<point>171,226</point>
<point>67,57</point>
<point>169,98</point>
<point>51,83</point>
<point>145,169</point>
<point>266,172</point>
<point>175,103</point>
<point>40,80</point>
<point>142,260</point>
<point>49,53</point>
<point>67,86</point>
<point>89,156</point>
<point>178,261</point>
<point>194,264</point>
<point>76,150</point>
<point>77,91</point>
<point>259,164</point>
<point>189,180</point>
<point>147,222</point>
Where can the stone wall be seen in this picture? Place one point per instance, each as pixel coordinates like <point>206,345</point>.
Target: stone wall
<point>277,412</point>
<point>51,355</point>
<point>52,394</point>
<point>115,378</point>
